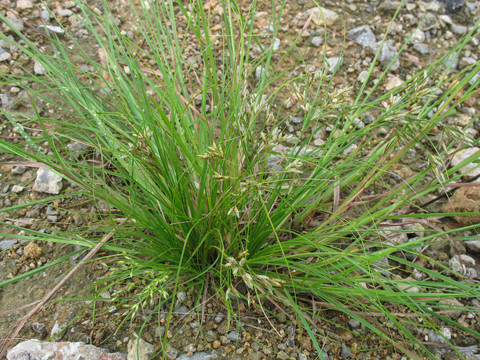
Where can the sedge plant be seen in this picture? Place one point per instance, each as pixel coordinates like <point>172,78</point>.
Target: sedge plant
<point>207,191</point>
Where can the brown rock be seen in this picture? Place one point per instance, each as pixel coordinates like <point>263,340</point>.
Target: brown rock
<point>32,251</point>
<point>465,199</point>
<point>5,169</point>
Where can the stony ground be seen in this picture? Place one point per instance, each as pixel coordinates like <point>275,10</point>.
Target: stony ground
<point>440,24</point>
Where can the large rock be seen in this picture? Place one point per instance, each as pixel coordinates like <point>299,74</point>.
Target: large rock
<point>47,181</point>
<point>33,349</point>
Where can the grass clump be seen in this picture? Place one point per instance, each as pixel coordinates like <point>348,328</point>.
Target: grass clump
<point>206,190</point>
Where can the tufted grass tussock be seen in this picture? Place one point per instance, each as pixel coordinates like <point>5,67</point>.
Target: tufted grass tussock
<point>208,192</point>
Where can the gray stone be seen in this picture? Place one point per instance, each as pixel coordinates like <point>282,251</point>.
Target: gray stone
<point>34,350</point>
<point>38,68</point>
<point>160,331</point>
<point>24,222</point>
<point>234,336</point>
<point>470,6</point>
<point>4,55</point>
<point>194,325</point>
<point>64,12</point>
<point>451,61</point>
<point>181,296</point>
<point>276,44</point>
<point>473,246</point>
<point>418,37</point>
<point>354,323</point>
<point>323,17</point>
<point>290,332</point>
<point>190,348</point>
<point>181,310</point>
<point>40,330</point>
<point>45,15</point>
<point>444,334</point>
<point>17,189</point>
<point>15,22</point>
<point>171,352</point>
<point>452,5</point>
<point>34,213</point>
<point>218,319</point>
<point>69,4</point>
<point>52,28</point>
<point>199,356</point>
<point>428,21</point>
<point>223,328</point>
<point>388,52</point>
<point>276,162</point>
<point>317,41</point>
<point>18,170</point>
<point>47,181</point>
<point>296,119</point>
<point>407,286</point>
<point>394,235</point>
<point>256,355</point>
<point>299,20</point>
<point>5,101</point>
<point>445,19</point>
<point>139,349</point>
<point>52,218</point>
<point>211,336</point>
<point>362,76</point>
<point>463,265</point>
<point>5,244</point>
<point>346,352</point>
<point>471,169</point>
<point>24,4</point>
<point>389,7</point>
<point>472,81</point>
<point>334,63</point>
<point>393,82</point>
<point>259,72</point>
<point>422,48</point>
<point>459,29</point>
<point>467,61</point>
<point>51,211</point>
<point>363,35</point>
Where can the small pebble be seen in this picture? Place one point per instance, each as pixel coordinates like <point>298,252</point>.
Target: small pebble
<point>317,41</point>
<point>17,189</point>
<point>234,336</point>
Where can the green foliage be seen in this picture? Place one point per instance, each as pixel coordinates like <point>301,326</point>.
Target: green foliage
<point>194,158</point>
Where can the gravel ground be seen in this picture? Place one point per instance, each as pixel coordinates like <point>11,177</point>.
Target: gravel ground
<point>436,25</point>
